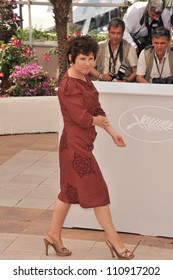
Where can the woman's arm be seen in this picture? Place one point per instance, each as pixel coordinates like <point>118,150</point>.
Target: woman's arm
<point>104,123</point>
<point>118,140</point>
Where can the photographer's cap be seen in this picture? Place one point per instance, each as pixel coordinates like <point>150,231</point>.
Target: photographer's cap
<point>156,6</point>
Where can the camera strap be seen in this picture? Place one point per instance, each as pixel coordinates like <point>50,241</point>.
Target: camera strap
<point>145,20</point>
<point>158,69</point>
<point>142,20</point>
<point>112,60</point>
<point>151,26</point>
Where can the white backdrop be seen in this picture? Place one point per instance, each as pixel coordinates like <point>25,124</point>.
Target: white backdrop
<point>139,177</point>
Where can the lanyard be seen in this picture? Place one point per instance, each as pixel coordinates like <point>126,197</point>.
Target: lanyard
<point>112,60</point>
<point>145,20</point>
<point>160,72</point>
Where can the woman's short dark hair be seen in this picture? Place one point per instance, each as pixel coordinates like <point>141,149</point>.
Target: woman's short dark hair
<point>161,32</point>
<point>81,45</point>
<point>116,22</point>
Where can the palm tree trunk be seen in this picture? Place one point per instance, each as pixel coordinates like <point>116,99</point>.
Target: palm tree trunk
<point>61,11</point>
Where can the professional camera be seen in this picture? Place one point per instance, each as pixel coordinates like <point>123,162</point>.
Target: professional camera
<point>142,42</point>
<point>167,80</point>
<point>158,81</point>
<point>120,74</point>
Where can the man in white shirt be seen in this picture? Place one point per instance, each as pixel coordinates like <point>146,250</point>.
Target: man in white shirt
<point>155,63</point>
<point>141,19</point>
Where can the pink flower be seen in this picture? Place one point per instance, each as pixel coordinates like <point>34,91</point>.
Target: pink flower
<point>16,43</point>
<point>1,74</point>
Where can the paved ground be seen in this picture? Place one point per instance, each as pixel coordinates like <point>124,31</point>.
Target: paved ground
<point>28,187</point>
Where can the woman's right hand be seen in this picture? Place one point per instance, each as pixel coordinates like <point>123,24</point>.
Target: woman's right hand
<point>101,121</point>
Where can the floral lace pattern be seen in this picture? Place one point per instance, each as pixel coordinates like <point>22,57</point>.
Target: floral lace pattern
<point>83,165</point>
<point>72,194</point>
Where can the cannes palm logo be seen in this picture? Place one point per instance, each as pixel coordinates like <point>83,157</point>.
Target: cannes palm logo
<point>148,123</point>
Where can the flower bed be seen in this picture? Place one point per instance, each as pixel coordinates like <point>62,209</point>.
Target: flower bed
<point>31,80</point>
<point>28,114</point>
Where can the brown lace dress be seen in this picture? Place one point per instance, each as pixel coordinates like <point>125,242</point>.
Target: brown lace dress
<point>81,181</point>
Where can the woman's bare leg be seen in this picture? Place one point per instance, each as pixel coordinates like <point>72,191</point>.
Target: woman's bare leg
<point>59,214</point>
<point>104,218</point>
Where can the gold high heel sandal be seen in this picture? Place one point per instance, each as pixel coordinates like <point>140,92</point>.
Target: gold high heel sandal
<point>125,255</point>
<point>62,252</point>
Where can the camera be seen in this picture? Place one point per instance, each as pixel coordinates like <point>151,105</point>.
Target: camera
<point>158,81</point>
<point>142,42</point>
<point>167,80</point>
<point>120,74</point>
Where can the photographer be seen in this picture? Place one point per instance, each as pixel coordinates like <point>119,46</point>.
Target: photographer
<point>141,19</point>
<point>116,59</point>
<point>155,63</point>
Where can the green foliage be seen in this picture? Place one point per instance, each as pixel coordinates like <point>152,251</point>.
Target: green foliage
<point>37,34</point>
<point>99,37</point>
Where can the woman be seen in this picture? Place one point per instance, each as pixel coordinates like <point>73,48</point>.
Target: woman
<point>81,180</point>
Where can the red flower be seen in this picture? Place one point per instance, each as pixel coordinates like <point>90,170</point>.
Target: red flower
<point>28,51</point>
<point>17,43</point>
<point>46,57</point>
<point>77,33</point>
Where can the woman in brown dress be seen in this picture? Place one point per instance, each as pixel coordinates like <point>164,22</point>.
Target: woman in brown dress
<point>81,180</point>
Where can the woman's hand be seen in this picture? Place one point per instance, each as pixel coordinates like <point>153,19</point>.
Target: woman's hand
<point>101,121</point>
<point>118,140</point>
